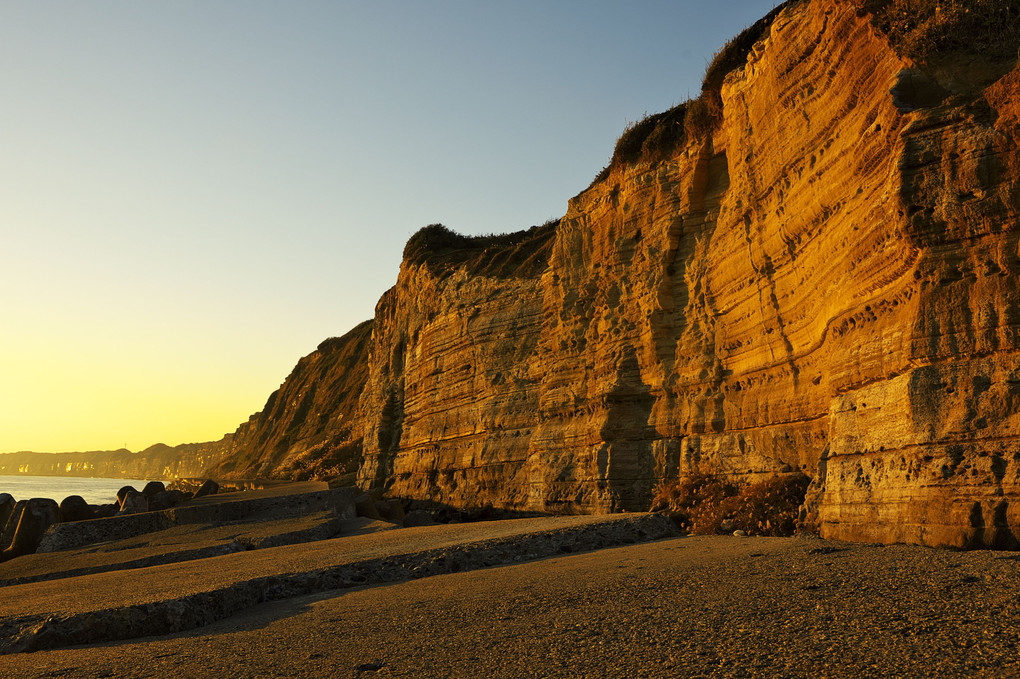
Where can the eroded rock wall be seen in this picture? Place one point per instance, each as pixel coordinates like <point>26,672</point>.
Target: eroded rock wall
<point>931,453</point>
<point>725,289</point>
<point>826,284</point>
<point>452,393</point>
<point>310,426</point>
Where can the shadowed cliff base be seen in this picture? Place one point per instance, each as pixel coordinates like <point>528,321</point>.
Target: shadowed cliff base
<point>704,504</point>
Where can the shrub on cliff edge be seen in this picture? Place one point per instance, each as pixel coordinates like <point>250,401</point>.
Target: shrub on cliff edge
<point>704,504</point>
<point>501,255</point>
<point>652,138</point>
<point>657,136</point>
<point>430,239</point>
<point>923,29</point>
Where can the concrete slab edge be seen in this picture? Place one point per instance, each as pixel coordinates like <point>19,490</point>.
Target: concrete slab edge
<point>73,535</point>
<point>323,531</point>
<point>40,632</point>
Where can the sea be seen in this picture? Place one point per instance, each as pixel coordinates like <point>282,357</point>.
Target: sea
<point>94,491</point>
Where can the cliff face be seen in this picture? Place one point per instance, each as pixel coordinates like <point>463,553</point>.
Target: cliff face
<point>454,369</point>
<point>309,426</point>
<point>825,283</point>
<point>929,453</point>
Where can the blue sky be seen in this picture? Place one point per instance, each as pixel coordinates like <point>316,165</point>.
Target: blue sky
<point>193,195</point>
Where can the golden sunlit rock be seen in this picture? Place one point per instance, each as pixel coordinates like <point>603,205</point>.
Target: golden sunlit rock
<point>825,283</point>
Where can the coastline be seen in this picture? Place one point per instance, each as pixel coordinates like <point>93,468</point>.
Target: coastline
<point>96,490</point>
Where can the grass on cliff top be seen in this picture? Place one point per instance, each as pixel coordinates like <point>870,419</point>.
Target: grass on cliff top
<point>656,137</point>
<point>919,29</point>
<point>704,504</point>
<point>925,29</point>
<point>522,254</point>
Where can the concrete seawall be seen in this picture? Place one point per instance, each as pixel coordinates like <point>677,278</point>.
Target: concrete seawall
<point>269,504</point>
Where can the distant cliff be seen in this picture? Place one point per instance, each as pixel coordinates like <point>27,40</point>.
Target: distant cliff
<point>811,268</point>
<point>155,462</point>
<point>308,428</point>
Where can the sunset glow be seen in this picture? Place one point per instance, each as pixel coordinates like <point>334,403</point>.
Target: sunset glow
<point>194,195</point>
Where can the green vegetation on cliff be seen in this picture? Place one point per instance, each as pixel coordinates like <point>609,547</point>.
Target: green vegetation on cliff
<point>925,29</point>
<point>522,254</point>
<point>656,137</point>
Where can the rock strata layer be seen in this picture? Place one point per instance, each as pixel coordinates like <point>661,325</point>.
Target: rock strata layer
<point>826,283</point>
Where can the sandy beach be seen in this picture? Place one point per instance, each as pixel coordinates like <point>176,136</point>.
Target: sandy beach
<point>713,606</point>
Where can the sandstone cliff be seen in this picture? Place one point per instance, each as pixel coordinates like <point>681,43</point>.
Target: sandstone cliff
<point>309,426</point>
<point>454,368</point>
<point>824,280</point>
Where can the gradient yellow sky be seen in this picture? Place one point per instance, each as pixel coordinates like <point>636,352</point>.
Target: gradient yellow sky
<point>193,195</point>
<point>107,385</point>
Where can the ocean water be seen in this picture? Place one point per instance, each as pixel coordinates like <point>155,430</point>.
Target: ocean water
<point>95,491</point>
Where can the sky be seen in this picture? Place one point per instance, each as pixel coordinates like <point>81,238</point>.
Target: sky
<point>195,194</point>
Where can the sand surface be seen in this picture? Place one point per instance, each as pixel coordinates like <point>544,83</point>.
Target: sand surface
<point>122,589</point>
<point>179,543</point>
<point>702,606</point>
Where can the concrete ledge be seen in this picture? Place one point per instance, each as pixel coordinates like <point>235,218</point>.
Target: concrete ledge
<point>177,597</point>
<point>216,509</point>
<point>174,545</point>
